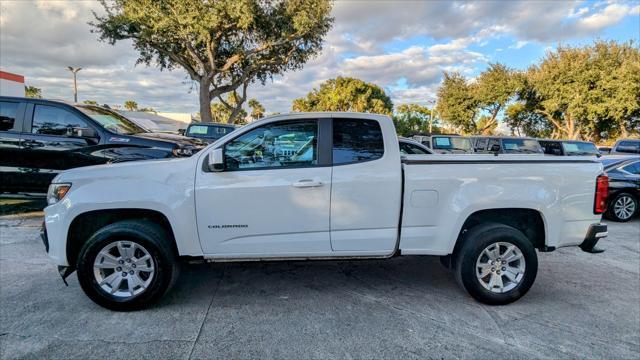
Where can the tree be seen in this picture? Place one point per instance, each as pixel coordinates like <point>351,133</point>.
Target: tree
<point>346,94</point>
<point>257,110</point>
<point>457,105</point>
<point>413,118</point>
<point>131,105</point>
<point>223,45</point>
<point>90,102</point>
<point>33,92</point>
<point>588,92</point>
<point>228,112</point>
<point>494,88</point>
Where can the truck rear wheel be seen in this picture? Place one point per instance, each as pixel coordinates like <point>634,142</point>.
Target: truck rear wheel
<point>127,265</point>
<point>496,264</point>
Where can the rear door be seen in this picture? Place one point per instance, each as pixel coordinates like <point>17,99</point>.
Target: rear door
<point>365,187</point>
<point>11,114</point>
<point>50,144</point>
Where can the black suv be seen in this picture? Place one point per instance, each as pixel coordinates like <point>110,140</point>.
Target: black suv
<point>40,138</point>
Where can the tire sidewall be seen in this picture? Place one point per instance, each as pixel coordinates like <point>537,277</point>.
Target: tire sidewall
<point>475,243</point>
<point>162,263</point>
<point>611,214</point>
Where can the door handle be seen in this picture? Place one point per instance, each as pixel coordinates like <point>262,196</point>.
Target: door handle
<point>306,183</point>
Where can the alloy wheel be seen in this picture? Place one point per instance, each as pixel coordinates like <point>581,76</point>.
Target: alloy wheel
<point>500,267</point>
<point>624,207</point>
<point>123,269</point>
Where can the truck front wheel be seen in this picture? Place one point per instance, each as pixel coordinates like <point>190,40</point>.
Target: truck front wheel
<point>127,265</point>
<point>496,264</point>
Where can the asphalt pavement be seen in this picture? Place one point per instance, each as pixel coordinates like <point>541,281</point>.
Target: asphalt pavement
<point>581,306</point>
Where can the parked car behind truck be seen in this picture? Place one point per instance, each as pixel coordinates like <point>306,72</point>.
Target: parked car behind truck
<point>208,132</point>
<point>569,147</point>
<point>624,186</point>
<point>505,145</point>
<point>342,192</point>
<point>445,144</point>
<point>39,138</point>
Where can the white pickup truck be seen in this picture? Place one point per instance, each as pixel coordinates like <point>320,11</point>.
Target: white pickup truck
<point>319,186</point>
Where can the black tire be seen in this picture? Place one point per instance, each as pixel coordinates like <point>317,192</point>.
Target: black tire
<point>474,242</point>
<point>611,213</point>
<point>155,241</point>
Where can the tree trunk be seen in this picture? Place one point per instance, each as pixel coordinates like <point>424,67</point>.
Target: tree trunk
<point>205,102</point>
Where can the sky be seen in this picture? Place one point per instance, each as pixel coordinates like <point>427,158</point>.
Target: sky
<point>402,46</point>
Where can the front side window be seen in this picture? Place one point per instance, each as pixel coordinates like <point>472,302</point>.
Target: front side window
<point>8,112</point>
<point>276,145</point>
<point>51,120</point>
<point>356,140</point>
<point>521,146</point>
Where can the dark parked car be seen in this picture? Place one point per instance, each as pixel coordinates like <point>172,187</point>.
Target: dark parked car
<point>569,147</point>
<point>604,150</point>
<point>40,138</point>
<point>624,186</point>
<point>208,132</point>
<point>412,147</point>
<point>626,146</point>
<point>505,145</point>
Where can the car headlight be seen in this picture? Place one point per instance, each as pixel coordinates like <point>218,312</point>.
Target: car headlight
<point>56,192</point>
<point>183,151</point>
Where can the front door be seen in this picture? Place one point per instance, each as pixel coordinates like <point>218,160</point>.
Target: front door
<point>273,197</point>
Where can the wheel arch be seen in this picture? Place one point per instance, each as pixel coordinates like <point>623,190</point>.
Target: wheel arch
<point>529,221</point>
<point>87,223</point>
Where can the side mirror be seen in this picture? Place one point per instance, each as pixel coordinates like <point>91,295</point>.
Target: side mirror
<point>216,160</point>
<point>495,148</point>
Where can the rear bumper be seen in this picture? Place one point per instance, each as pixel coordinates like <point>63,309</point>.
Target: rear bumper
<point>595,233</point>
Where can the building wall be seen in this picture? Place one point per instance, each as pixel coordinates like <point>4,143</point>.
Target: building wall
<point>11,84</point>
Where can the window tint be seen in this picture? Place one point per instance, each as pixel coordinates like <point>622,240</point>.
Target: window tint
<point>628,147</point>
<point>580,148</point>
<point>633,168</point>
<point>356,140</point>
<point>289,144</point>
<point>481,144</point>
<point>8,111</point>
<point>51,120</point>
<point>111,121</point>
<point>493,142</point>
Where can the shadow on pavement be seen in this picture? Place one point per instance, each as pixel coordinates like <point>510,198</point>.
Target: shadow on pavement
<point>19,205</point>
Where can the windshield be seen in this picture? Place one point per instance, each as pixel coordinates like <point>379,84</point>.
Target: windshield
<point>521,146</point>
<point>208,131</point>
<point>111,121</point>
<point>579,148</point>
<point>451,143</point>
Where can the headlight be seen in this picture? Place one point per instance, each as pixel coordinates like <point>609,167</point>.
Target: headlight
<point>57,192</point>
<point>183,151</point>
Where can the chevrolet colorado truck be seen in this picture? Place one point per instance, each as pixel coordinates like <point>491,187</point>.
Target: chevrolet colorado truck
<point>319,186</point>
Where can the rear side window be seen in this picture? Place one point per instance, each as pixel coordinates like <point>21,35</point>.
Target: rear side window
<point>8,112</point>
<point>628,147</point>
<point>51,120</point>
<point>356,140</point>
<point>633,168</point>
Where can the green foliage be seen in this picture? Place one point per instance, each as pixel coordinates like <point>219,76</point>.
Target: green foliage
<point>493,89</point>
<point>131,105</point>
<point>257,110</point>
<point>590,92</point>
<point>90,102</point>
<point>457,105</point>
<point>33,92</point>
<point>223,45</point>
<point>346,94</point>
<point>410,119</point>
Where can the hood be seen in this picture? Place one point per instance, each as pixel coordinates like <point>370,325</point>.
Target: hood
<point>173,138</point>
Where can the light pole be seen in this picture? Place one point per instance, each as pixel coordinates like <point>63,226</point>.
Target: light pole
<point>433,106</point>
<point>74,71</point>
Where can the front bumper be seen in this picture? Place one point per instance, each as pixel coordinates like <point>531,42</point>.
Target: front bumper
<point>595,233</point>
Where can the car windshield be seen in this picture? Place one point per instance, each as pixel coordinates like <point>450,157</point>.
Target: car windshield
<point>111,121</point>
<point>451,143</point>
<point>579,148</point>
<point>521,146</point>
<point>209,131</point>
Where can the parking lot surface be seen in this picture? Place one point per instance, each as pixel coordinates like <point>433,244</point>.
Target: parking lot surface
<point>581,306</point>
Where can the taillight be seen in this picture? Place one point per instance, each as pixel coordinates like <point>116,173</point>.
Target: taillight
<point>602,193</point>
